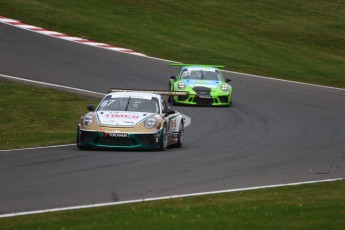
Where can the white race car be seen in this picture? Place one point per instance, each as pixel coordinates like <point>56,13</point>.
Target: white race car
<point>132,119</point>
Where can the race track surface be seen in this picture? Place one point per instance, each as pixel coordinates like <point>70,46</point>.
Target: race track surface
<point>276,132</point>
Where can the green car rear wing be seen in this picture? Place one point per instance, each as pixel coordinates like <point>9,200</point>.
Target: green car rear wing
<point>160,92</point>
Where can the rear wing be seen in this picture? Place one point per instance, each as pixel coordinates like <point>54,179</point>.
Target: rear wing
<point>160,92</point>
<point>186,65</point>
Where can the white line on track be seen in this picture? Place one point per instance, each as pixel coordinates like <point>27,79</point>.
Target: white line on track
<point>49,84</point>
<point>33,148</point>
<point>162,198</point>
<point>282,80</point>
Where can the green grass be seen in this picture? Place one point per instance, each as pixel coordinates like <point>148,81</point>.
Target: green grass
<point>313,206</point>
<point>297,40</point>
<point>32,116</point>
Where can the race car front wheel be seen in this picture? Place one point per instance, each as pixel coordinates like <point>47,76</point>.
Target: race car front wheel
<point>163,143</point>
<point>180,136</point>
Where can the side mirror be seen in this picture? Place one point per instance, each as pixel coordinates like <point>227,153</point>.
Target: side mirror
<point>173,77</point>
<point>227,80</point>
<point>91,108</point>
<point>170,111</point>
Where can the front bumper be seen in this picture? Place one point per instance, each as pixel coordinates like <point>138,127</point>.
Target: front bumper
<point>95,139</point>
<point>204,100</point>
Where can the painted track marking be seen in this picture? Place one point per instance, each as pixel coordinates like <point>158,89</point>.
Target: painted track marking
<point>55,34</point>
<point>162,198</point>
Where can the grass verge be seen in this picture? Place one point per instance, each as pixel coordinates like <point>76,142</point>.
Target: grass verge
<point>33,116</point>
<point>296,40</point>
<point>312,206</point>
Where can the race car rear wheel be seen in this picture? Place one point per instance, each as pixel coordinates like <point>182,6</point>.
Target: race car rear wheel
<point>163,143</point>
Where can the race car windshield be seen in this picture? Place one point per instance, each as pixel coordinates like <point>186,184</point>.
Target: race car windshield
<point>201,75</point>
<point>129,104</point>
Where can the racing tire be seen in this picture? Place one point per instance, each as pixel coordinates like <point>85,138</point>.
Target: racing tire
<point>230,103</point>
<point>180,136</point>
<point>163,142</point>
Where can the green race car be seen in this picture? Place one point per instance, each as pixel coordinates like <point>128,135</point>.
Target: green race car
<point>204,83</point>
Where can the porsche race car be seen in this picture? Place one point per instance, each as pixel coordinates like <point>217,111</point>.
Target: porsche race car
<point>205,85</point>
<point>131,119</point>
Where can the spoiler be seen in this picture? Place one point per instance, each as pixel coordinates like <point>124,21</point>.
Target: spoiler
<point>183,65</point>
<point>160,92</point>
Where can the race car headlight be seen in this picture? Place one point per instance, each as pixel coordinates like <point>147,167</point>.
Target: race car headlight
<point>88,120</point>
<point>225,87</point>
<point>150,122</point>
<point>181,85</point>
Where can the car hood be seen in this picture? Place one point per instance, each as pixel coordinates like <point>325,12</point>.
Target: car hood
<point>121,118</point>
<point>204,83</point>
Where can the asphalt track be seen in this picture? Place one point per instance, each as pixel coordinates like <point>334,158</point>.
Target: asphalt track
<point>276,132</point>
